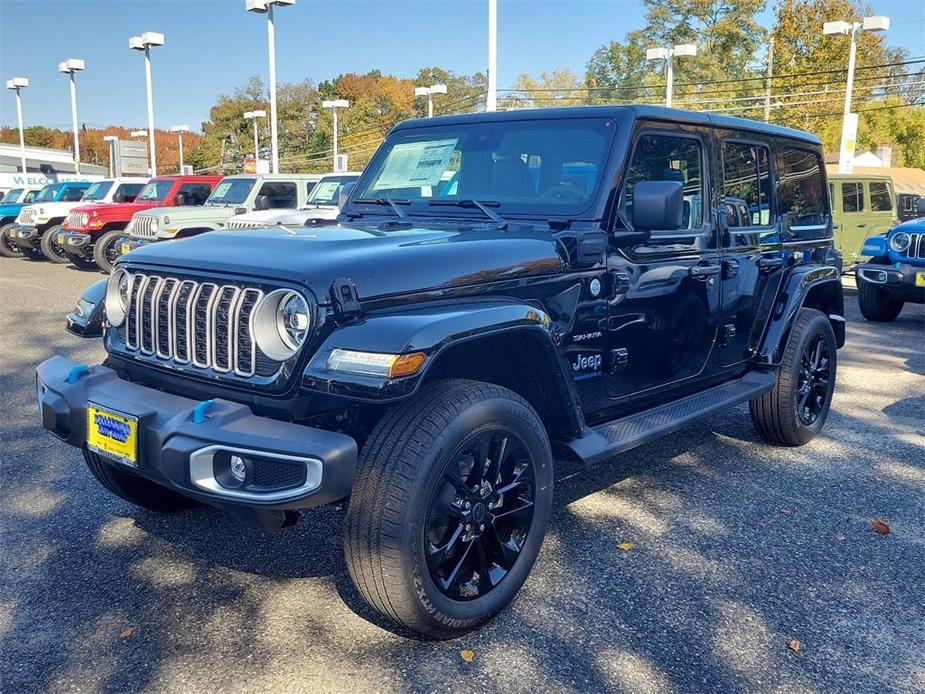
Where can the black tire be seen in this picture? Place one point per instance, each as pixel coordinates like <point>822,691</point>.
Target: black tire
<point>51,250</point>
<point>795,409</point>
<point>103,249</point>
<point>403,471</point>
<point>136,490</point>
<point>876,303</point>
<point>8,249</point>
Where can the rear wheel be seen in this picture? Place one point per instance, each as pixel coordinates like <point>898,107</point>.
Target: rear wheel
<point>8,249</point>
<point>51,249</point>
<point>795,409</point>
<point>449,508</point>
<point>876,303</point>
<point>135,489</point>
<point>105,250</point>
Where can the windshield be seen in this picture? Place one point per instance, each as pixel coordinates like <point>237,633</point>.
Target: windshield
<point>545,167</point>
<point>327,190</point>
<point>12,195</point>
<point>231,191</point>
<point>154,191</point>
<point>48,193</point>
<point>97,191</point>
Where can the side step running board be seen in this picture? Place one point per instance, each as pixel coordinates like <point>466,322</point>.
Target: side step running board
<point>611,438</point>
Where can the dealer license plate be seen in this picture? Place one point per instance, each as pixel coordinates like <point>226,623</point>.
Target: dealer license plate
<point>112,434</point>
<point>920,279</point>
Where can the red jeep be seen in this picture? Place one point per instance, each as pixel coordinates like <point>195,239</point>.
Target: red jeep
<point>90,233</point>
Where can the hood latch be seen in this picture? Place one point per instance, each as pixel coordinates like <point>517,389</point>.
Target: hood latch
<point>345,298</point>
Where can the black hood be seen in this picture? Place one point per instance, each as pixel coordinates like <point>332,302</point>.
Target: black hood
<point>379,263</point>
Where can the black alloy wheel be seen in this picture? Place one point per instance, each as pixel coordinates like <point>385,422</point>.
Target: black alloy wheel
<point>480,514</point>
<point>813,380</point>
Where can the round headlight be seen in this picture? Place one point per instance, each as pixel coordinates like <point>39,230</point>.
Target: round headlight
<point>155,226</point>
<point>118,290</point>
<point>84,219</point>
<point>282,321</point>
<point>900,242</point>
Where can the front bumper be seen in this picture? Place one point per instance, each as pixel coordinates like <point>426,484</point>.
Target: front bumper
<point>902,280</point>
<point>176,448</point>
<point>75,242</point>
<point>25,235</point>
<point>128,243</point>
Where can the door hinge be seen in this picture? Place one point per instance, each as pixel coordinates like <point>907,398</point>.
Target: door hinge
<point>619,358</point>
<point>620,282</point>
<point>345,298</point>
<point>730,269</point>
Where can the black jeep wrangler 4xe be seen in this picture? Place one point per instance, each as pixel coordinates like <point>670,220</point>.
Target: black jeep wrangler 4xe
<point>498,286</point>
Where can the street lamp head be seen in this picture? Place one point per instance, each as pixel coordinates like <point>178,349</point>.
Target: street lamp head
<point>438,89</point>
<point>876,23</point>
<point>147,39</point>
<point>255,114</point>
<point>71,65</point>
<point>112,138</point>
<point>335,103</point>
<point>835,28</point>
<point>261,5</point>
<point>658,53</point>
<point>17,83</point>
<point>179,128</point>
<point>686,49</point>
<point>421,91</point>
<point>139,133</point>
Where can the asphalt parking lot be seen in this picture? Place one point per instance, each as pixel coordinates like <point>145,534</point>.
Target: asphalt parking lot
<point>738,550</point>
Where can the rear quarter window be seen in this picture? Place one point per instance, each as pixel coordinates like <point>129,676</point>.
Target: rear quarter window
<point>880,198</point>
<point>801,191</point>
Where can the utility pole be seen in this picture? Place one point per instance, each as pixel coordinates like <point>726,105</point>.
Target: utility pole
<point>491,102</point>
<point>767,88</point>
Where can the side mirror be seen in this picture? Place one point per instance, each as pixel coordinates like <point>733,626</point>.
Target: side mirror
<point>180,199</point>
<point>920,207</point>
<point>344,193</point>
<point>262,202</point>
<point>87,319</point>
<point>658,205</point>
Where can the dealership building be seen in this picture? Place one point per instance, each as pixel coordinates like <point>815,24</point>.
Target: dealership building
<point>43,166</point>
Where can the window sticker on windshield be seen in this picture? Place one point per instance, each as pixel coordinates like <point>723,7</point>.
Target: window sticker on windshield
<point>325,190</point>
<point>414,164</point>
<point>221,189</point>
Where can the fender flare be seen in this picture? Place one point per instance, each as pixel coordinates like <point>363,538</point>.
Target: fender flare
<point>800,283</point>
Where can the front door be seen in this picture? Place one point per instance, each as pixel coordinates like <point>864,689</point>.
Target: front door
<point>659,308</point>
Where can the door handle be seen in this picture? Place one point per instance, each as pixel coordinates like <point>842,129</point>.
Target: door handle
<point>861,225</point>
<point>770,263</point>
<point>702,272</point>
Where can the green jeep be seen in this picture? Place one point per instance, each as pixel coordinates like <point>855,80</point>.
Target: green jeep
<point>862,206</point>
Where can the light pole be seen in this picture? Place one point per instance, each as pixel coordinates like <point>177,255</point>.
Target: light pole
<point>668,54</point>
<point>144,43</point>
<point>71,67</point>
<point>334,105</point>
<point>850,120</point>
<point>491,101</point>
<point>266,6</point>
<point>429,93</point>
<point>112,140</point>
<point>179,130</point>
<point>254,115</point>
<point>17,84</point>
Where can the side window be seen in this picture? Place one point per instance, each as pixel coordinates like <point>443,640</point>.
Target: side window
<point>747,183</point>
<point>73,194</point>
<point>669,158</point>
<point>194,193</point>
<point>801,192</point>
<point>852,197</point>
<point>128,191</point>
<point>880,198</point>
<point>282,194</point>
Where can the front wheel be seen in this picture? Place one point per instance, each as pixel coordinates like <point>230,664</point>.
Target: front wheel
<point>106,249</point>
<point>794,410</point>
<point>876,303</point>
<point>51,249</point>
<point>8,249</point>
<point>450,505</point>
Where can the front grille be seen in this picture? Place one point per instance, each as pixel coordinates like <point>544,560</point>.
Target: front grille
<point>74,221</point>
<point>27,215</point>
<point>916,246</point>
<point>200,324</point>
<point>142,227</point>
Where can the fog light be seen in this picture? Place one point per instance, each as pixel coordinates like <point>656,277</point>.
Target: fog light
<point>238,468</point>
<point>231,471</point>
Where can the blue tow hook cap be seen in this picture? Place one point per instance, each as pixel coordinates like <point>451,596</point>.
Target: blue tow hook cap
<point>199,412</point>
<point>76,371</point>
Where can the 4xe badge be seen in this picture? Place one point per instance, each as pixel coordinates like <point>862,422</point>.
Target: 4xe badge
<point>586,365</point>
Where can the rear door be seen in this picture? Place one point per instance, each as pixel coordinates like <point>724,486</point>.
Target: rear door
<point>855,217</point>
<point>882,215</point>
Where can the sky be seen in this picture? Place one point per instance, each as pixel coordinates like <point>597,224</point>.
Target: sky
<point>213,46</point>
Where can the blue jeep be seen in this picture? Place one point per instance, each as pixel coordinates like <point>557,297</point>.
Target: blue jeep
<point>13,201</point>
<point>895,273</point>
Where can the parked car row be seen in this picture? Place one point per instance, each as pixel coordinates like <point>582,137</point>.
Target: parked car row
<point>57,223</point>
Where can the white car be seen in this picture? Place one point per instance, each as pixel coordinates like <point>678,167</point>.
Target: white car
<point>322,204</point>
<point>37,224</point>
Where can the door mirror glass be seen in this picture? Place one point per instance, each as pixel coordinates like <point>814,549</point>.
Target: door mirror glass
<point>658,206</point>
<point>262,203</point>
<point>920,207</point>
<point>180,200</point>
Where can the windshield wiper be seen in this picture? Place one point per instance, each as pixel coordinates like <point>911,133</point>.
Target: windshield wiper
<point>394,204</point>
<point>481,206</point>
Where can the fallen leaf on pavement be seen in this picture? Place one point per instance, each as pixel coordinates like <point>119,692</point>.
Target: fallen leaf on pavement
<point>794,646</point>
<point>467,655</point>
<point>625,546</point>
<point>127,632</point>
<point>880,527</point>
<point>785,511</point>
